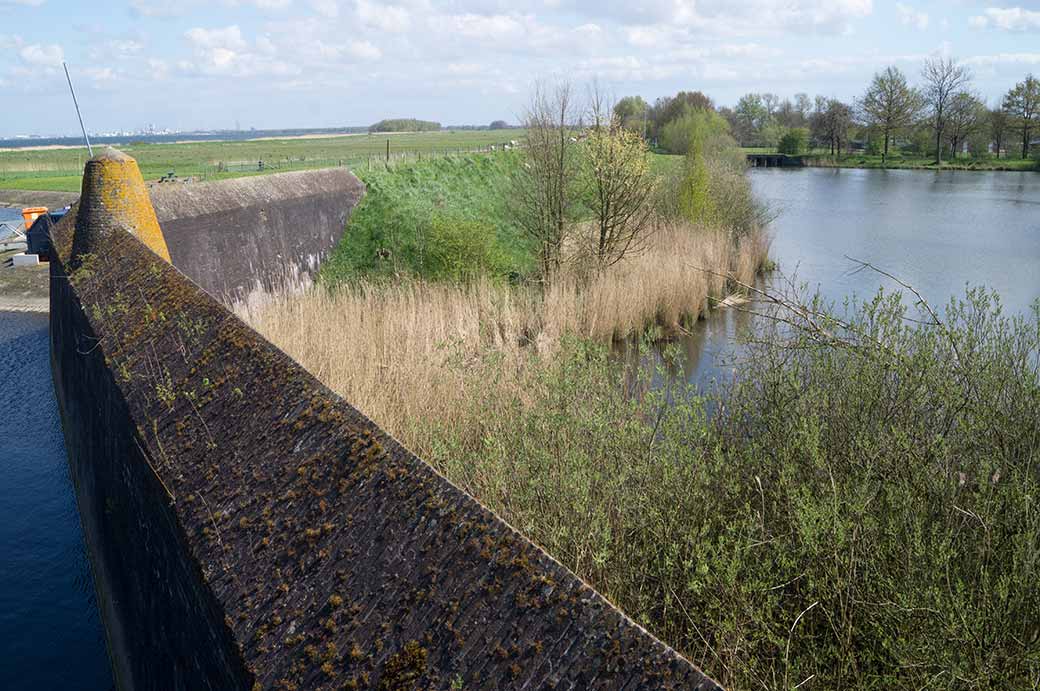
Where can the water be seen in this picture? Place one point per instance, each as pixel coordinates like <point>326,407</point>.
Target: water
<point>937,231</point>
<point>50,633</point>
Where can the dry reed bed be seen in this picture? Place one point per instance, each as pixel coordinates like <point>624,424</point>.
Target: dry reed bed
<point>400,352</point>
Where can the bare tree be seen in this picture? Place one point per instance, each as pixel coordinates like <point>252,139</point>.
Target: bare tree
<point>943,78</point>
<point>890,105</point>
<point>545,183</point>
<point>1023,105</point>
<point>830,123</point>
<point>998,126</point>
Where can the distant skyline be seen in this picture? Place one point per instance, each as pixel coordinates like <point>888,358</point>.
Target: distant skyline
<point>222,64</point>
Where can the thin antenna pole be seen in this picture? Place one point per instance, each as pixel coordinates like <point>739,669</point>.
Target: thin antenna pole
<point>76,103</point>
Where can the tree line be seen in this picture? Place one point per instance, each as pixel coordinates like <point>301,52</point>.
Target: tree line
<point>940,115</point>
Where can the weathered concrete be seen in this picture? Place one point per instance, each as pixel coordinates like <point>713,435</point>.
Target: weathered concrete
<point>113,188</point>
<point>774,161</point>
<point>245,235</point>
<point>249,529</point>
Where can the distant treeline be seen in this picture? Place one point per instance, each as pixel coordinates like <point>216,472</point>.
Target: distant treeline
<point>405,125</point>
<point>942,115</point>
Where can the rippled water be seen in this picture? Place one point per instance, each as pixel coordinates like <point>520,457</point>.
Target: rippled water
<point>50,634</point>
<point>938,231</point>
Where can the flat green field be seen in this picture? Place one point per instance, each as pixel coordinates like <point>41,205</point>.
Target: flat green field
<point>60,169</point>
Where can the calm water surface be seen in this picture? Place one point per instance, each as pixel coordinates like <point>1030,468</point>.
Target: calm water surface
<point>938,231</point>
<point>50,634</point>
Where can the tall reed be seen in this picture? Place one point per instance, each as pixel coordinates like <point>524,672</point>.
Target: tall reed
<point>392,349</point>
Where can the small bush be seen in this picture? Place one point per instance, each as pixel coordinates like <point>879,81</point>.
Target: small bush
<point>794,142</point>
<point>461,250</point>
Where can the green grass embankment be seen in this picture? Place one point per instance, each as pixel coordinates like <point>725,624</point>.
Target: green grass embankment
<point>460,205</point>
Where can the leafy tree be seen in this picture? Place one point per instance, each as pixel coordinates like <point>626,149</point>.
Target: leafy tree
<point>1023,105</point>
<point>943,78</point>
<point>771,133</point>
<point>751,115</point>
<point>890,105</point>
<point>794,142</point>
<point>670,108</point>
<point>694,126</point>
<point>632,112</point>
<point>617,172</point>
<point>498,125</point>
<point>966,115</point>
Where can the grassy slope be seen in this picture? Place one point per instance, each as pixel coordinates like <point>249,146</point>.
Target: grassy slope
<point>59,169</point>
<point>402,200</point>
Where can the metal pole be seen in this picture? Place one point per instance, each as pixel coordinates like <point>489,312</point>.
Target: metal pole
<point>76,103</point>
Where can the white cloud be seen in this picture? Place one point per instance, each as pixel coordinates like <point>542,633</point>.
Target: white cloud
<point>40,55</point>
<point>1007,19</point>
<point>100,75</point>
<point>225,51</point>
<point>326,8</point>
<point>158,69</point>
<point>909,16</point>
<point>389,18</point>
<point>1004,59</point>
<point>227,38</point>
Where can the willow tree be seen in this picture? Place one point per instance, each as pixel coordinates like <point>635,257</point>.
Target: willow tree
<point>1022,104</point>
<point>890,105</point>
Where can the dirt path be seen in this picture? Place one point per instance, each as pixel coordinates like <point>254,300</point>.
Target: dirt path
<point>18,199</point>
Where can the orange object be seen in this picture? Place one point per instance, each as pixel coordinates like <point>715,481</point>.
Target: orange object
<point>30,214</point>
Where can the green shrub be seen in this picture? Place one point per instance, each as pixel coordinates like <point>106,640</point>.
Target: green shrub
<point>794,142</point>
<point>861,510</point>
<point>460,249</point>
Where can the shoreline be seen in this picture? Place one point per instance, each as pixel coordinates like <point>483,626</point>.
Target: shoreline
<point>966,167</point>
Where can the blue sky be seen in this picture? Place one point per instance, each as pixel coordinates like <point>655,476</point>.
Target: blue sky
<point>187,64</point>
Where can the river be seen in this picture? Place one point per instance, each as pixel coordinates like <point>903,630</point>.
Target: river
<point>937,231</point>
<point>50,634</point>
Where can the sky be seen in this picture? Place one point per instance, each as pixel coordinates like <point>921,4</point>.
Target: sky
<point>221,64</point>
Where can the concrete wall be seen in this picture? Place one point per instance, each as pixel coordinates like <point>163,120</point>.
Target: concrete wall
<point>246,235</point>
<point>249,529</point>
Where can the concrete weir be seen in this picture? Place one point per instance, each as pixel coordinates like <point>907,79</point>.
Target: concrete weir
<point>242,236</point>
<point>249,529</point>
